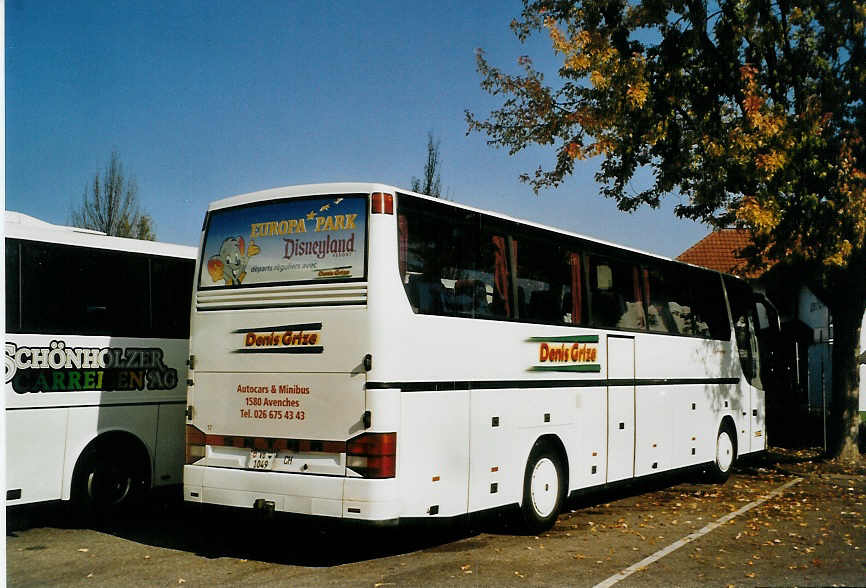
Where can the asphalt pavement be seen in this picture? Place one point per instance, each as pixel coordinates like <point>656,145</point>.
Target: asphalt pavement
<point>785,518</point>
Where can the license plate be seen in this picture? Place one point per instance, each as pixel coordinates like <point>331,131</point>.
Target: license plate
<point>260,460</point>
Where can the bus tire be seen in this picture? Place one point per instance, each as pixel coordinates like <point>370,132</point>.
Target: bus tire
<point>725,456</point>
<point>543,488</point>
<point>109,479</point>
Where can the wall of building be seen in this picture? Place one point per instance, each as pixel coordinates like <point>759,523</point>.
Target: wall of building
<point>815,314</point>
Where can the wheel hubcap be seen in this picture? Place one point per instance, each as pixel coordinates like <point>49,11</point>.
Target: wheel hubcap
<point>108,486</point>
<point>724,451</point>
<point>544,487</point>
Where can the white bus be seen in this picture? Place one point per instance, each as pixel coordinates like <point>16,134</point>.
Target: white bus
<point>97,339</point>
<point>362,352</point>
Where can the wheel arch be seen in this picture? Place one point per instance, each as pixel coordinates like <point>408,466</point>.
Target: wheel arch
<point>553,441</point>
<point>114,440</point>
<point>727,422</point>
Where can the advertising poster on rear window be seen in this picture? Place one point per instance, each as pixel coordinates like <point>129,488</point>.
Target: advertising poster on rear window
<point>319,239</point>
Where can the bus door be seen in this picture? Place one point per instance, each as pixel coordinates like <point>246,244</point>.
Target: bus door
<point>620,408</point>
<point>745,316</point>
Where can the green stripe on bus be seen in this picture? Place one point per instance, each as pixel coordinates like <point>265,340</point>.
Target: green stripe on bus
<point>567,339</point>
<point>592,367</point>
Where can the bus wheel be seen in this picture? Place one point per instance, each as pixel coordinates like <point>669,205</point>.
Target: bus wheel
<point>726,454</point>
<point>107,481</point>
<point>543,488</point>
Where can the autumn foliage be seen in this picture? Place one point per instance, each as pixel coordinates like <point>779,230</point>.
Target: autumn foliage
<point>752,111</point>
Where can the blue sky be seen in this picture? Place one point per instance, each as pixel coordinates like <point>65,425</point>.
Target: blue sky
<point>206,99</point>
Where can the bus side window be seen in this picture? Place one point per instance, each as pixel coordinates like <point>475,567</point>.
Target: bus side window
<point>13,299</point>
<point>708,302</point>
<point>659,317</point>
<point>615,294</point>
<point>573,309</point>
<point>437,250</point>
<point>670,302</point>
<point>170,293</point>
<point>544,281</point>
<point>96,294</point>
<point>744,318</point>
<point>502,303</point>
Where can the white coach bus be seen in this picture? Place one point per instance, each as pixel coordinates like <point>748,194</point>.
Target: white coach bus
<point>362,352</point>
<point>97,339</point>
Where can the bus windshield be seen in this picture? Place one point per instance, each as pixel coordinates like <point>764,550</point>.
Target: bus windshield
<point>285,242</point>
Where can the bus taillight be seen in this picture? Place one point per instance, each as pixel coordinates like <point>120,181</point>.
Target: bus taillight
<point>373,455</point>
<point>383,203</point>
<point>195,442</point>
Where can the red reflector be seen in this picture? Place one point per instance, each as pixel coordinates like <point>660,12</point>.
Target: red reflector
<point>334,446</point>
<point>194,436</point>
<point>382,203</point>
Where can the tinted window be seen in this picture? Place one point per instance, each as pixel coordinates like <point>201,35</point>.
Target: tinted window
<point>708,305</point>
<point>458,263</point>
<point>171,293</point>
<point>496,257</point>
<point>744,319</point>
<point>12,285</point>
<point>549,281</point>
<point>439,260</point>
<point>615,294</point>
<point>670,301</point>
<point>70,290</point>
<point>685,301</point>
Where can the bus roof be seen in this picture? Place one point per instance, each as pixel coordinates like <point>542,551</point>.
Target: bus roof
<point>22,226</point>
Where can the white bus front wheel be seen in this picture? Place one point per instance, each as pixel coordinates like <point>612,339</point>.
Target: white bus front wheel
<point>543,489</point>
<point>726,455</point>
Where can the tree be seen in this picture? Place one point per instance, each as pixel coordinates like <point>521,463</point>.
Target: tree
<point>753,111</point>
<point>110,205</point>
<point>430,184</point>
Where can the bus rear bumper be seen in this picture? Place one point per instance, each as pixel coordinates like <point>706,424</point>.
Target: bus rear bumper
<point>303,494</point>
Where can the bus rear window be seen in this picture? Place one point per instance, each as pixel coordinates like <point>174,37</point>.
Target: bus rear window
<point>316,239</point>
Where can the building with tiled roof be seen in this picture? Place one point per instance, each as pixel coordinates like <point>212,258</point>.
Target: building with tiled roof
<point>720,251</point>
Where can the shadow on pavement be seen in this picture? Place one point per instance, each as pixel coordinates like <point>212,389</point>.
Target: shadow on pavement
<point>168,523</point>
<point>165,521</point>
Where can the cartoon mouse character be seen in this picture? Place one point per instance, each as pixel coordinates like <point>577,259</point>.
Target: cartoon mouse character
<point>230,263</point>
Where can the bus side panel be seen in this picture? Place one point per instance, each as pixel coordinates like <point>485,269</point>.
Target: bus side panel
<point>757,421</point>
<point>495,476</point>
<point>87,423</point>
<point>588,458</point>
<point>504,431</point>
<point>35,442</point>
<point>655,408</point>
<point>169,457</point>
<point>693,426</point>
<point>740,405</point>
<point>433,453</point>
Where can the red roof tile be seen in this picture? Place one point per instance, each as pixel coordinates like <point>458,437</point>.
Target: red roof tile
<point>718,251</point>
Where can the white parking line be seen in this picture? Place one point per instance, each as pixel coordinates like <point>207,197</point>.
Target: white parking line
<point>689,538</point>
